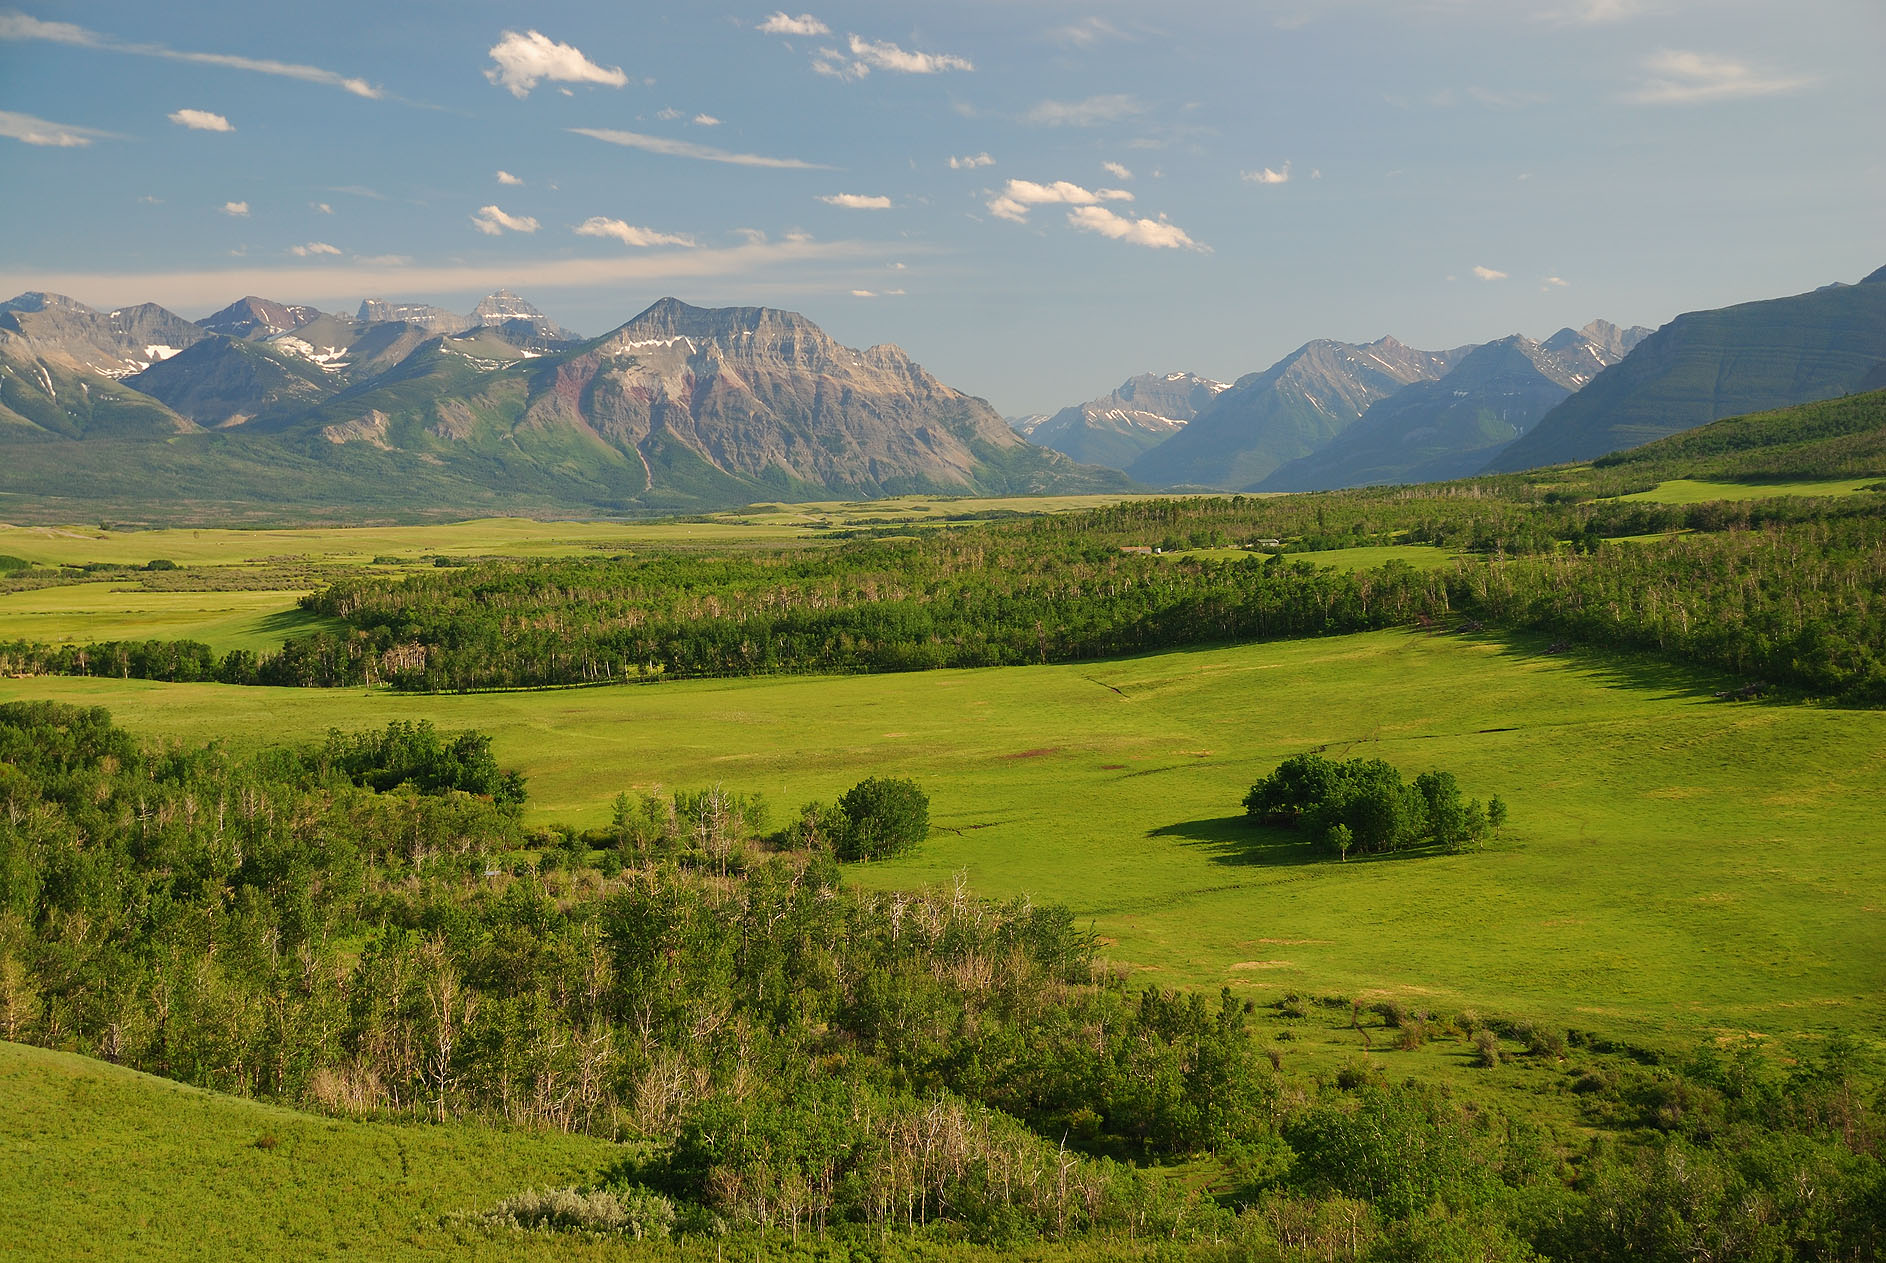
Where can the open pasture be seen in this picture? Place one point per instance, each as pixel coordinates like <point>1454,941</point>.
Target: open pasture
<point>1691,491</point>
<point>755,525</point>
<point>119,610</point>
<point>1676,866</point>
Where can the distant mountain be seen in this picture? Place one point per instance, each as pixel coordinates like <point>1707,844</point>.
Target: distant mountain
<point>1117,428</point>
<point>680,407</point>
<point>254,317</point>
<point>431,319</point>
<point>1706,365</point>
<point>1287,411</point>
<point>506,311</point>
<point>60,362</point>
<point>1430,431</point>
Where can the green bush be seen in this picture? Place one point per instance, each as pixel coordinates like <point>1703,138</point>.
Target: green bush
<point>883,816</point>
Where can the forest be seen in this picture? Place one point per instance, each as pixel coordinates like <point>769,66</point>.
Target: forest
<point>342,928</point>
<point>1783,592</point>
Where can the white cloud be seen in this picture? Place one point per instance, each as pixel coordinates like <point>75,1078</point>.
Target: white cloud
<point>19,26</point>
<point>687,149</point>
<point>864,293</point>
<point>37,131</point>
<point>492,222</point>
<point>312,248</point>
<point>1157,234</point>
<point>971,161</point>
<point>1118,170</point>
<point>524,61</point>
<point>831,62</point>
<point>320,208</point>
<point>705,120</point>
<point>668,114</point>
<point>887,56</point>
<point>782,24</point>
<point>628,234</point>
<point>1014,201</point>
<point>1684,78</point>
<point>855,201</point>
<point>1106,108</point>
<point>505,177</point>
<point>1488,274</point>
<point>236,210</point>
<point>201,121</point>
<point>1268,176</point>
<point>1556,282</point>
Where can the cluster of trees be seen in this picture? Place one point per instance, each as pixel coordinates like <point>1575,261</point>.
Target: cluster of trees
<point>1363,805</point>
<point>798,1055</point>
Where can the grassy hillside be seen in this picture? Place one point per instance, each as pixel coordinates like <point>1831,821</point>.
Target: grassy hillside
<point>104,1163</point>
<point>1676,866</point>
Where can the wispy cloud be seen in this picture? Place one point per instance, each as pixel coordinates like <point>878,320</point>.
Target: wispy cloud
<point>1015,200</point>
<point>1553,282</point>
<point>1086,33</point>
<point>970,162</point>
<point>628,234</point>
<point>320,208</point>
<point>494,222</point>
<point>1686,78</point>
<point>522,61</point>
<point>312,248</point>
<point>688,149</point>
<point>1265,175</point>
<point>505,177</point>
<point>1107,108</point>
<point>782,24</point>
<point>1157,234</point>
<point>201,121</point>
<point>37,131</point>
<point>1118,170</point>
<point>18,26</point>
<point>882,55</point>
<point>236,210</point>
<point>855,201</point>
<point>705,120</point>
<point>1488,274</point>
<point>208,289</point>
<point>868,55</point>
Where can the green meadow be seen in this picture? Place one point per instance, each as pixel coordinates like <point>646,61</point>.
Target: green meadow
<point>1676,867</point>
<point>117,610</point>
<point>1691,491</point>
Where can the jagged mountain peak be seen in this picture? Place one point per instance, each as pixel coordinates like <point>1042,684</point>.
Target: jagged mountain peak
<point>40,300</point>
<point>502,308</point>
<point>254,317</point>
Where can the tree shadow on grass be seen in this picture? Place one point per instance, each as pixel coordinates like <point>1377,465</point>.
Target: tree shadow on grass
<point>1622,667</point>
<point>293,622</point>
<point>1234,840</point>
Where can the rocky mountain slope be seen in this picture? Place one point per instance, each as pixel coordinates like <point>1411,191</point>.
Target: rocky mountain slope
<point>1706,365</point>
<point>680,407</point>
<point>1117,428</point>
<point>1449,428</point>
<point>1287,411</point>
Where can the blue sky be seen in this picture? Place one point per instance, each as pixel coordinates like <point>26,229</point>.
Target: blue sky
<point>1034,198</point>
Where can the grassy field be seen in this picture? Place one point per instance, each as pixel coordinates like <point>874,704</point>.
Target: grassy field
<point>507,537</point>
<point>1688,491</point>
<point>1676,867</point>
<point>88,612</point>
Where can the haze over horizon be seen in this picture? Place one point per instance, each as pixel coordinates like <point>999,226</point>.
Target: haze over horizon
<point>1035,200</point>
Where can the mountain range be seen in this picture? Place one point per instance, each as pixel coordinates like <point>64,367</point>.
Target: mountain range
<point>264,406</point>
<point>267,409</point>
<point>1706,365</point>
<point>1116,428</point>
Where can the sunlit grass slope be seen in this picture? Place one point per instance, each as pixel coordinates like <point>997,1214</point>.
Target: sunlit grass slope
<point>102,1163</point>
<point>1676,865</point>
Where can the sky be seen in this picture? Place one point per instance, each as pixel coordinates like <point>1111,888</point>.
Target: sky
<point>1035,198</point>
